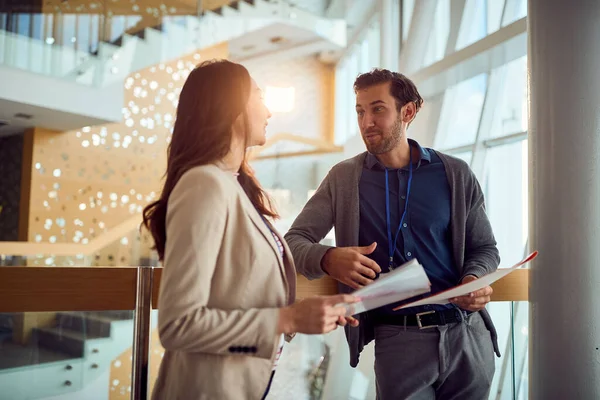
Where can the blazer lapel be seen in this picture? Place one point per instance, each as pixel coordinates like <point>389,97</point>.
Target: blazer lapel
<point>264,226</point>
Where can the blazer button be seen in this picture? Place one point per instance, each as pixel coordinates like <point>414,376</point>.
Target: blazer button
<point>245,349</point>
<point>253,349</point>
<point>232,349</point>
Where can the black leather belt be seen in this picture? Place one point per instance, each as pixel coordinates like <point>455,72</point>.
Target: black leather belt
<point>427,319</point>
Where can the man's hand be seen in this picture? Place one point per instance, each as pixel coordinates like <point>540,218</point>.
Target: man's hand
<point>350,265</point>
<point>474,301</point>
<point>343,321</point>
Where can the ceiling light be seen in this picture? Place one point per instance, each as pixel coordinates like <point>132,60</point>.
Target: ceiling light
<point>280,99</point>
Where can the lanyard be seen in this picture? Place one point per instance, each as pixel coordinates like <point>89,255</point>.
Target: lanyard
<point>392,241</point>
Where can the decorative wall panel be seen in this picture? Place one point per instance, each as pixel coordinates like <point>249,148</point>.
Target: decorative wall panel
<point>86,181</point>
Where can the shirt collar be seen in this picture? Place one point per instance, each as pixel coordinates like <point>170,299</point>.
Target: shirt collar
<point>371,161</point>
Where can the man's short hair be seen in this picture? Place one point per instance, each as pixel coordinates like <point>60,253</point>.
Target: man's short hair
<point>401,88</point>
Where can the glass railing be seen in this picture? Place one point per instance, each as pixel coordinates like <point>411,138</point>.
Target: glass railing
<point>62,45</point>
<point>66,332</point>
<point>84,331</point>
<point>103,46</point>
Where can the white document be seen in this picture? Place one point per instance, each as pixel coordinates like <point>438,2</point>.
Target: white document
<point>406,281</point>
<point>466,288</point>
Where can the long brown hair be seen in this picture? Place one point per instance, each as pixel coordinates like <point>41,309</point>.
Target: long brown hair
<point>214,95</point>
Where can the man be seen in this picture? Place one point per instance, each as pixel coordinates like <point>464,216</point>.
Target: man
<point>396,202</point>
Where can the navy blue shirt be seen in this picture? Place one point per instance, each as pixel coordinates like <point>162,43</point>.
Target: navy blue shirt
<point>425,233</point>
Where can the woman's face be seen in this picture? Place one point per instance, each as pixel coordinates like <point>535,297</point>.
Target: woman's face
<point>258,114</point>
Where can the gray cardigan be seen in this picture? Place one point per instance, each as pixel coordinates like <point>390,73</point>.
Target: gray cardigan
<point>336,204</point>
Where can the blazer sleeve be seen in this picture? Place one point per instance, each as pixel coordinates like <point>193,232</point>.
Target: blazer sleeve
<point>196,222</point>
<point>310,227</point>
<point>481,254</point>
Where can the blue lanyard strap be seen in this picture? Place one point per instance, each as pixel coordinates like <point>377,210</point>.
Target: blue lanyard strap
<point>392,241</point>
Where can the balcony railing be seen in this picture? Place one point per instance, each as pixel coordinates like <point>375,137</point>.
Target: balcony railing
<point>84,300</point>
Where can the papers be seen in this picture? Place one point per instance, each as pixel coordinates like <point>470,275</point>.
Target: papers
<point>466,288</point>
<point>404,282</point>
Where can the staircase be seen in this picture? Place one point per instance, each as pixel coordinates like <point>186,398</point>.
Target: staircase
<point>106,62</point>
<point>88,66</point>
<point>67,357</point>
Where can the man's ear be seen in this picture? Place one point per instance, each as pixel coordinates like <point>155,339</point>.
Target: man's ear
<point>408,112</point>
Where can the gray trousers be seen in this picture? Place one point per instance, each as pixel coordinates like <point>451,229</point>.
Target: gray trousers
<point>452,362</point>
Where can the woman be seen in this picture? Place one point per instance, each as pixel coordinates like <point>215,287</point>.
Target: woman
<point>227,289</point>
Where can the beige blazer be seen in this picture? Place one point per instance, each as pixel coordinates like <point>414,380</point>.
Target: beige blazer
<point>222,284</point>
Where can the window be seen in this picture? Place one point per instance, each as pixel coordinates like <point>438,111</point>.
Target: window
<point>506,194</point>
<point>461,112</point>
<point>473,26</point>
<point>438,37</point>
<point>511,114</point>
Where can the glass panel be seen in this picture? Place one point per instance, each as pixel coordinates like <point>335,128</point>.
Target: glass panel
<point>461,112</point>
<point>3,21</point>
<point>364,58</point>
<point>494,14</point>
<point>407,14</point>
<point>512,323</point>
<point>374,45</point>
<point>424,126</point>
<point>511,114</point>
<point>117,26</point>
<point>94,33</point>
<point>521,349</point>
<point>515,10</point>
<point>65,355</point>
<point>502,384</point>
<point>69,32</point>
<point>44,260</point>
<point>438,37</point>
<point>83,32</point>
<point>473,26</point>
<point>37,31</point>
<point>466,156</point>
<point>506,191</point>
<point>24,23</point>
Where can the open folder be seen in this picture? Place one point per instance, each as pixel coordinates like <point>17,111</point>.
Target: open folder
<point>404,282</point>
<point>410,280</point>
<point>469,287</point>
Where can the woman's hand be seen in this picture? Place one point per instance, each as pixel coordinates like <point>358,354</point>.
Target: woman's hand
<point>316,315</point>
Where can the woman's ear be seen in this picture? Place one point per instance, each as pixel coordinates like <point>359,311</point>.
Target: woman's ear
<point>239,127</point>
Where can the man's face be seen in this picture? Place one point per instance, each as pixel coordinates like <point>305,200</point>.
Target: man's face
<point>378,119</point>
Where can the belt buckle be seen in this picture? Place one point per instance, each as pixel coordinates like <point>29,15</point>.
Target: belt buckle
<point>420,324</point>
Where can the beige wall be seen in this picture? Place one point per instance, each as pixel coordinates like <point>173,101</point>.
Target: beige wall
<point>313,81</point>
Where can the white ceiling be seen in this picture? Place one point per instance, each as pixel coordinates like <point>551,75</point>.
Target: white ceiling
<point>41,116</point>
<point>294,43</point>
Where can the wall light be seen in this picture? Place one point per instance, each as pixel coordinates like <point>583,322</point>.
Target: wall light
<point>280,99</point>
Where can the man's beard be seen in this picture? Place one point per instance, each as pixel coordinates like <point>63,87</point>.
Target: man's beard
<point>389,140</point>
